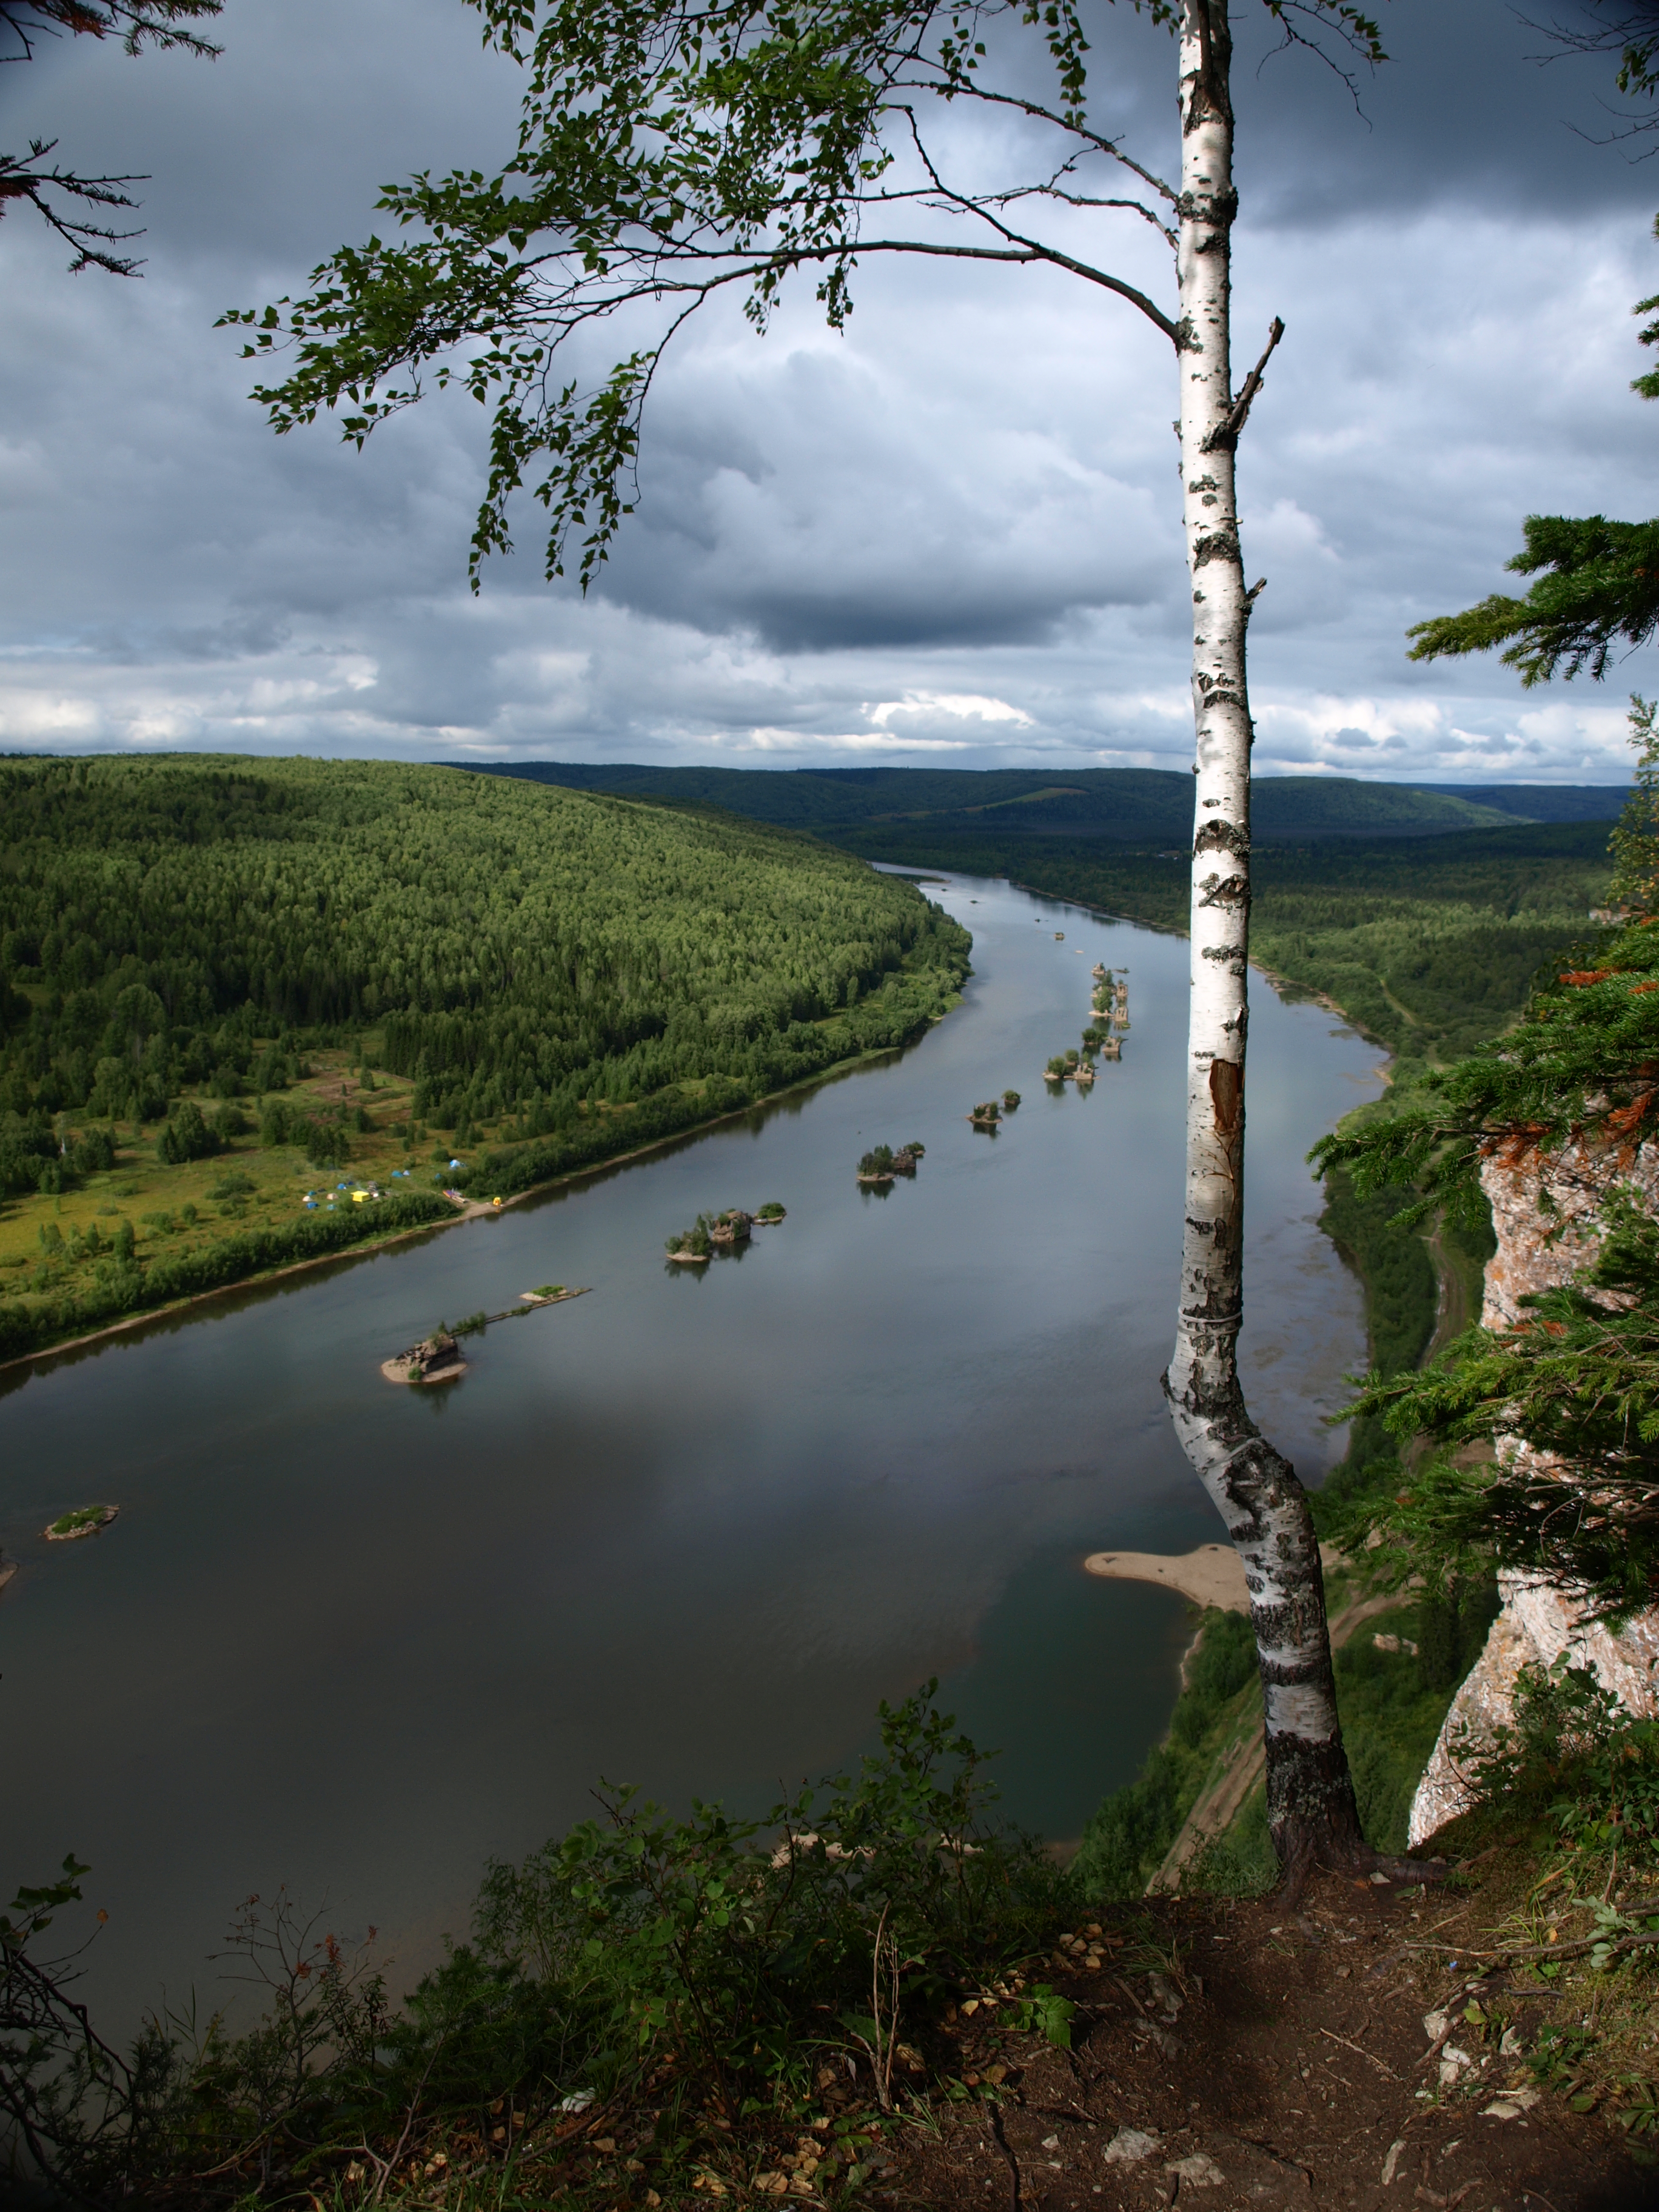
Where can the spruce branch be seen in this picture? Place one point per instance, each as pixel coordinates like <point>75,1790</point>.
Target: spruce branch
<point>22,178</point>
<point>163,24</point>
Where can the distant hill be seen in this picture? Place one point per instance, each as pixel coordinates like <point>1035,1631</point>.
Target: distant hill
<point>1131,805</point>
<point>1541,802</point>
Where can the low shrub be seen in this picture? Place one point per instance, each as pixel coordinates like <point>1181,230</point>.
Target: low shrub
<point>719,1962</point>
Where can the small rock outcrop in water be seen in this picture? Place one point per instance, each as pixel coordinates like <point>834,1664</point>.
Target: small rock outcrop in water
<point>881,1163</point>
<point>435,1358</point>
<point>985,1116</point>
<point>84,1521</point>
<point>716,1231</point>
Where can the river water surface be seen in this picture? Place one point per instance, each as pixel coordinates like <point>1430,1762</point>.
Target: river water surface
<point>685,1531</point>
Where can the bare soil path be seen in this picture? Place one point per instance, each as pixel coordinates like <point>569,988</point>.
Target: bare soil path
<point>1273,2059</point>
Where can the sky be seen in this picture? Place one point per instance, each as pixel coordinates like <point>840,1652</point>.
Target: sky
<point>948,536</point>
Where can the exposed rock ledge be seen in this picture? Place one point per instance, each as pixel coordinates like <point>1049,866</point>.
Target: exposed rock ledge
<point>1537,1622</point>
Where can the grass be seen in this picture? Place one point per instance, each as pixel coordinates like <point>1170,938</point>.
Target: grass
<point>52,1245</point>
<point>83,1516</point>
<point>178,1209</point>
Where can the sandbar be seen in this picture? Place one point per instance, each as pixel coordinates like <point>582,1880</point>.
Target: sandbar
<point>1212,1575</point>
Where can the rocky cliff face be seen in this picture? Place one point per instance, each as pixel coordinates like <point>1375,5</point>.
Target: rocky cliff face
<point>1545,1227</point>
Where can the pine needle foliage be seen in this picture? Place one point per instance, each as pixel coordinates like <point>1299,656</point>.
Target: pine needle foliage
<point>1578,1379</point>
<point>1600,585</point>
<point>1636,839</point>
<point>1599,589</point>
<point>63,198</point>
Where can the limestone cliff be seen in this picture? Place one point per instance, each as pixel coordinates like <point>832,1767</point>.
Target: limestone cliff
<point>1546,1228</point>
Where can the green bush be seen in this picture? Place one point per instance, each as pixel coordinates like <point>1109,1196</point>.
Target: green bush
<point>326,1143</point>
<point>1392,1702</point>
<point>93,1152</point>
<point>720,1961</point>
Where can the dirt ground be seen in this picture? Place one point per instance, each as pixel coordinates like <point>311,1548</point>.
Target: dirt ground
<point>1275,2059</point>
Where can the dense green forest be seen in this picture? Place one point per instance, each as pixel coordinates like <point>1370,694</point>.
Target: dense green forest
<point>1423,912</point>
<point>1115,803</point>
<point>166,923</point>
<point>572,975</point>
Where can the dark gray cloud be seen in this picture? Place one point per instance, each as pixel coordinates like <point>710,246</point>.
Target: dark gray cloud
<point>950,534</point>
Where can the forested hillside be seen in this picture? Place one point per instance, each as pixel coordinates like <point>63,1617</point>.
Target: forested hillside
<point>1116,803</point>
<point>1541,802</point>
<point>567,975</point>
<point>515,947</point>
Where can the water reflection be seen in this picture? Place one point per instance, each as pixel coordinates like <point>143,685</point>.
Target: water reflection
<point>358,1638</point>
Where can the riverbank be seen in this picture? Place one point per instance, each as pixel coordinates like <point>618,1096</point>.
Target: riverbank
<point>1427,946</point>
<point>471,1210</point>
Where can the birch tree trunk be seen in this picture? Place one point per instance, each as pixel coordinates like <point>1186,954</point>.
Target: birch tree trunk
<point>1311,1801</point>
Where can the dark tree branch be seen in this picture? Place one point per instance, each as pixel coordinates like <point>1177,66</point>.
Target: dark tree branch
<point>655,284</point>
<point>1227,435</point>
<point>94,243</point>
<point>159,22</point>
<point>1038,113</point>
<point>162,23</point>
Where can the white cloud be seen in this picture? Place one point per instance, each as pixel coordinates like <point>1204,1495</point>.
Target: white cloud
<point>964,706</point>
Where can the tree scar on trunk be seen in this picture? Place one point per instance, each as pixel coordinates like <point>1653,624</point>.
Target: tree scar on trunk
<point>1227,1111</point>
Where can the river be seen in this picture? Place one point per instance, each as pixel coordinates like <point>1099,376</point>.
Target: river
<point>683,1532</point>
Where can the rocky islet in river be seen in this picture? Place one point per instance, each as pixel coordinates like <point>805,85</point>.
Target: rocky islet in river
<point>720,1232</point>
<point>881,1163</point>
<point>84,1521</point>
<point>435,1358</point>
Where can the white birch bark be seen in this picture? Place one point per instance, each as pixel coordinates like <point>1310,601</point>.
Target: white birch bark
<point>1311,1801</point>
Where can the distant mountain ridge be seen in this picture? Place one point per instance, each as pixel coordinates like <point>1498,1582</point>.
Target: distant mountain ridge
<point>1541,802</point>
<point>1130,806</point>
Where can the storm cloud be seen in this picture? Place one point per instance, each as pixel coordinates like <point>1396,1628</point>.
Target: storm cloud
<point>951,533</point>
